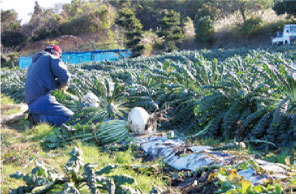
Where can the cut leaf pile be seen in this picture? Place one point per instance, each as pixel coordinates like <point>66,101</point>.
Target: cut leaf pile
<point>107,132</point>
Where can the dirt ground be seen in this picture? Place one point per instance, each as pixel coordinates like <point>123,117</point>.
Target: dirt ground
<point>67,42</point>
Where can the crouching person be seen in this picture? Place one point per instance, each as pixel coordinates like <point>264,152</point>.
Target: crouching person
<point>46,73</point>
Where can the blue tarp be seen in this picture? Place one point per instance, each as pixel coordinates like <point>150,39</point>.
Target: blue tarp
<point>82,57</point>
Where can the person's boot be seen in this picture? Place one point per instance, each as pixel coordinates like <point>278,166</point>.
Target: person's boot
<point>31,120</point>
<point>34,119</point>
<point>37,119</point>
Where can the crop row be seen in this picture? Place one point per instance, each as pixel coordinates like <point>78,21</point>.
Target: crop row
<point>250,96</point>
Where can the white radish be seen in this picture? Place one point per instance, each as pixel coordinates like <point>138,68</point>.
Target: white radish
<point>137,120</point>
<point>90,100</point>
<point>142,123</point>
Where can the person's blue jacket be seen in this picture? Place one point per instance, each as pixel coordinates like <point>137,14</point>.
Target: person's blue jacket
<point>46,73</point>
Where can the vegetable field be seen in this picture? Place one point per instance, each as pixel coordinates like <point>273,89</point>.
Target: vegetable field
<point>237,95</point>
<point>250,96</point>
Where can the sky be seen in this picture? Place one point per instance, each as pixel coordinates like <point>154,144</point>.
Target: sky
<point>25,7</point>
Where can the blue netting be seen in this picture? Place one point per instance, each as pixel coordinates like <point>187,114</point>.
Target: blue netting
<point>108,56</point>
<point>83,57</point>
<point>125,54</point>
<point>25,62</point>
<point>77,57</point>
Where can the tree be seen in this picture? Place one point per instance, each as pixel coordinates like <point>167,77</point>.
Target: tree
<point>127,20</point>
<point>37,9</point>
<point>35,18</point>
<point>86,16</point>
<point>11,35</point>
<point>192,7</point>
<point>208,8</point>
<point>246,8</point>
<point>204,29</point>
<point>148,13</point>
<point>284,7</point>
<point>103,15</point>
<point>36,21</point>
<point>9,20</point>
<point>12,39</point>
<point>74,8</point>
<point>170,30</point>
<point>10,60</point>
<point>122,3</point>
<point>79,25</point>
<point>251,26</point>
<point>188,28</point>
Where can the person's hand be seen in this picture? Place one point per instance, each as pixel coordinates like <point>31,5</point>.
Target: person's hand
<point>64,88</point>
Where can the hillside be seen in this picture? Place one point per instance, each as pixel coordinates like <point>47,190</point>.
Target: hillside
<point>83,42</point>
<point>226,35</point>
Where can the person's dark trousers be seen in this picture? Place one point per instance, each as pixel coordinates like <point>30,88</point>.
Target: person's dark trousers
<point>47,109</point>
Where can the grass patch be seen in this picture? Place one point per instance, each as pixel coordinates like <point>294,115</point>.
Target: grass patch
<point>9,106</point>
<point>21,148</point>
<point>6,100</point>
<point>91,154</point>
<point>21,126</point>
<point>8,183</point>
<point>284,156</point>
<point>145,179</point>
<point>38,132</point>
<point>10,112</point>
<point>208,141</point>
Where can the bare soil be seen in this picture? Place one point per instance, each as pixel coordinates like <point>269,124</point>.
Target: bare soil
<point>67,42</point>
